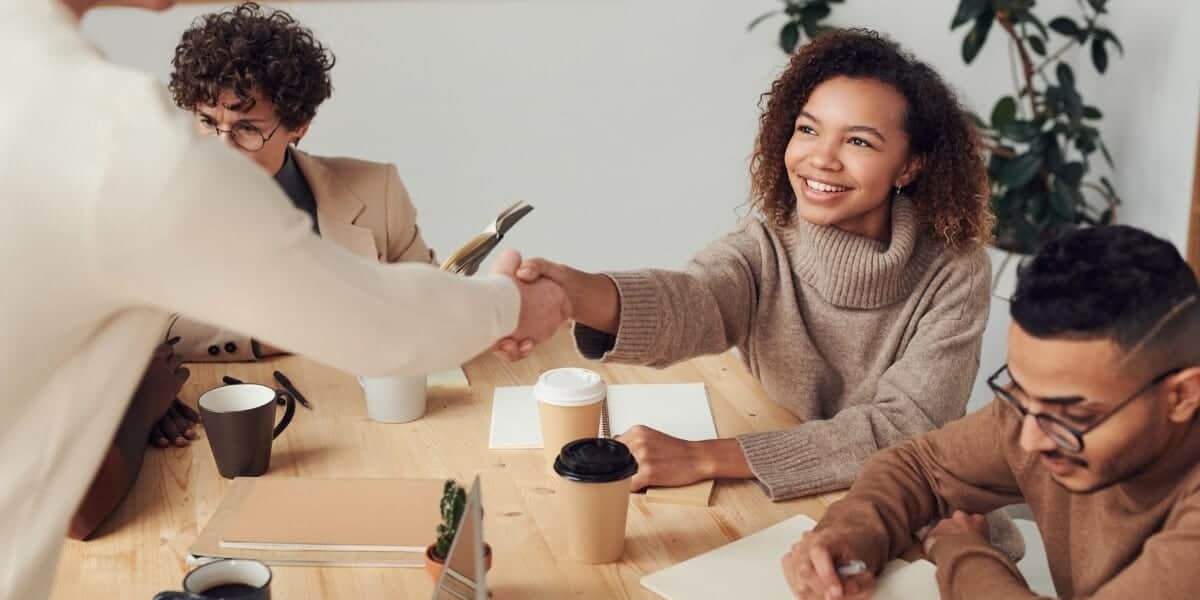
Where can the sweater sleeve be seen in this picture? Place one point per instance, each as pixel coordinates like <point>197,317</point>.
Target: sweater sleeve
<point>670,316</point>
<point>927,387</point>
<point>214,238</point>
<point>962,466</point>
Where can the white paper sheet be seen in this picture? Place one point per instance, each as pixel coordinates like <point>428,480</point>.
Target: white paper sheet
<point>680,410</point>
<point>750,568</point>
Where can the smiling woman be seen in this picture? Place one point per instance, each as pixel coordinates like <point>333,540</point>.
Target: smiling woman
<point>857,297</point>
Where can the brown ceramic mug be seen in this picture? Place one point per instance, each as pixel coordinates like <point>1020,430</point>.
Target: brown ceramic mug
<point>240,423</point>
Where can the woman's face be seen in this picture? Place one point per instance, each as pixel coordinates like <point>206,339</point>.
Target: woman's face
<point>256,133</point>
<point>848,153</point>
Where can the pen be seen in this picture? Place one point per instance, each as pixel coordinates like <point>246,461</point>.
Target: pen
<point>287,385</point>
<point>851,568</point>
<point>231,380</point>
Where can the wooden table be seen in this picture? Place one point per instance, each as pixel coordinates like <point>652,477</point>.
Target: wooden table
<point>141,549</point>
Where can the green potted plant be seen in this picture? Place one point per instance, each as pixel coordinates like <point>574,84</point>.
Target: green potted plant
<point>452,505</point>
<point>1039,140</point>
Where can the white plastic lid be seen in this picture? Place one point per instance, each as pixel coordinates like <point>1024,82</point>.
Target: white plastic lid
<point>569,386</point>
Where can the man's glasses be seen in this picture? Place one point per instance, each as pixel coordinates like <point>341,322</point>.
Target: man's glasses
<point>244,135</point>
<point>1065,435</point>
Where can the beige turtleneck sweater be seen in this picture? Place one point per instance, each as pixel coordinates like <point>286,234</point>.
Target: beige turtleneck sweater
<point>869,343</point>
<point>1135,539</point>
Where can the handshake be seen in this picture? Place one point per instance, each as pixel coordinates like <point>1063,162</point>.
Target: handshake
<point>546,302</point>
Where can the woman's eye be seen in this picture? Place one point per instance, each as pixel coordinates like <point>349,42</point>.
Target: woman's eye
<point>857,141</point>
<point>247,128</point>
<point>805,129</point>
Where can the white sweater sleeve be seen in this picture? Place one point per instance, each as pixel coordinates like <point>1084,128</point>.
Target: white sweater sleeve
<point>193,228</point>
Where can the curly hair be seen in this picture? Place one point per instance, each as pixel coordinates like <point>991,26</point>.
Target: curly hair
<point>246,49</point>
<point>951,192</point>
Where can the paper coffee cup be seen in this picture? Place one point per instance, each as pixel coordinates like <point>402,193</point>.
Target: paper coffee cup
<point>569,403</point>
<point>594,482</point>
<point>395,398</point>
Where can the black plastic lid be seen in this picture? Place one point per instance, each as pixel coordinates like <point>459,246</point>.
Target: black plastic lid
<point>595,460</point>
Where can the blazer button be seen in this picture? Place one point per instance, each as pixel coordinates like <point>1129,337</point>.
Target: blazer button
<point>231,347</point>
<point>213,350</point>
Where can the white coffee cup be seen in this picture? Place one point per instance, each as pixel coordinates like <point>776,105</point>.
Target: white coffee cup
<point>569,404</point>
<point>394,398</point>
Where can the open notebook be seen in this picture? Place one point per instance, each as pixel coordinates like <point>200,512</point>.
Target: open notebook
<point>750,568</point>
<point>680,410</point>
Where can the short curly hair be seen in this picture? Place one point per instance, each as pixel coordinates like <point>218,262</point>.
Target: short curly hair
<point>245,49</point>
<point>951,192</point>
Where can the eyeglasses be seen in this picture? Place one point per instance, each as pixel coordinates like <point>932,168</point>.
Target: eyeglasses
<point>1066,436</point>
<point>244,135</point>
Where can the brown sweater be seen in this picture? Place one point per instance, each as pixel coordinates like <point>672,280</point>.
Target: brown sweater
<point>869,343</point>
<point>1137,539</point>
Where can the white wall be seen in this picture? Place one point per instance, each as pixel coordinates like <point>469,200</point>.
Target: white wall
<point>628,123</point>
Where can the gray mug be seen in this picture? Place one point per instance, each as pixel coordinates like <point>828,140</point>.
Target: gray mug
<point>225,579</point>
<point>240,423</point>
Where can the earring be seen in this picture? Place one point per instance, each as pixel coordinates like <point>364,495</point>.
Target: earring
<point>897,191</point>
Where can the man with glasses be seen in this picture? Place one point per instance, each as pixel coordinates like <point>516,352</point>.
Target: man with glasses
<point>255,78</point>
<point>1094,427</point>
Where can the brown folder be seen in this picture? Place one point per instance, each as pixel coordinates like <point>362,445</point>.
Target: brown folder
<point>348,522</point>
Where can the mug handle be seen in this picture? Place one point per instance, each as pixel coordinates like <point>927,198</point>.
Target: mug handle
<point>288,413</point>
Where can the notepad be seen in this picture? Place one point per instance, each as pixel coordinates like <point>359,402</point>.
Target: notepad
<point>750,568</point>
<point>351,522</point>
<point>680,410</point>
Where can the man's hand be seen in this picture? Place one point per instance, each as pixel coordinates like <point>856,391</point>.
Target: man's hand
<point>811,569</point>
<point>544,308</point>
<point>156,395</point>
<point>960,523</point>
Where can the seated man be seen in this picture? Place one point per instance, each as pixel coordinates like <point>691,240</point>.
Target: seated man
<point>1094,427</point>
<point>256,77</point>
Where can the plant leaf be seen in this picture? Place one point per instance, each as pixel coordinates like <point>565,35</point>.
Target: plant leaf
<point>1021,170</point>
<point>789,36</point>
<point>977,36</point>
<point>1037,44</point>
<point>1072,173</point>
<point>1091,112</point>
<point>1099,55</point>
<point>1107,156</point>
<point>1065,26</point>
<point>1066,77</point>
<point>1028,17</point>
<point>815,11</point>
<point>1110,36</point>
<point>1062,200</point>
<point>1021,131</point>
<point>1098,5</point>
<point>1004,113</point>
<point>967,10</point>
<point>761,18</point>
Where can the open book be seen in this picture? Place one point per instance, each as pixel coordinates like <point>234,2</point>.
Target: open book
<point>466,260</point>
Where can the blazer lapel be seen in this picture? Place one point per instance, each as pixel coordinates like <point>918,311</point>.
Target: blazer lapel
<point>337,207</point>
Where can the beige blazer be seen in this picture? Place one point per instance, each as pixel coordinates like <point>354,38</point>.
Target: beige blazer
<point>362,206</point>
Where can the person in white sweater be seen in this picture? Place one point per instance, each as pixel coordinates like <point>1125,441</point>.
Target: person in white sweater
<point>117,214</point>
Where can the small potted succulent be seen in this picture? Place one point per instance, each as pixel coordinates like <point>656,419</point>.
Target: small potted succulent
<point>453,503</point>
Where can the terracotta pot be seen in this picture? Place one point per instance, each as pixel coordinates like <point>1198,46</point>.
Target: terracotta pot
<point>434,565</point>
